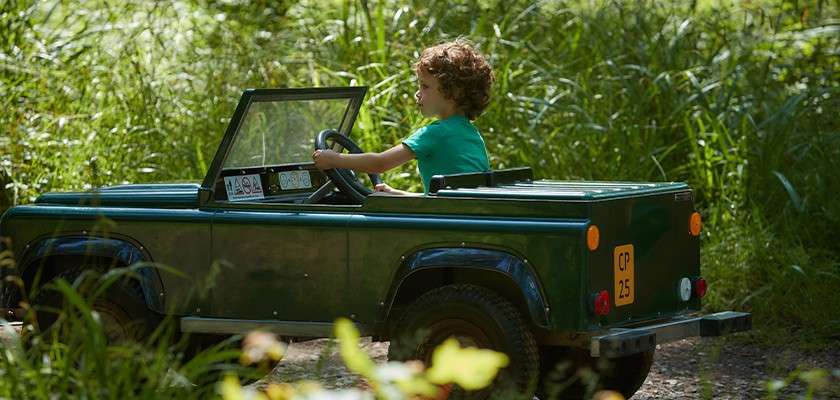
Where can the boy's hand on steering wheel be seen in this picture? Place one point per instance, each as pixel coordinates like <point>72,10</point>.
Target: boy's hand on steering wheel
<point>324,159</point>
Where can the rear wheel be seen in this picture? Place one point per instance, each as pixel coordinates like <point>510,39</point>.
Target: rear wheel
<point>571,373</point>
<point>477,317</point>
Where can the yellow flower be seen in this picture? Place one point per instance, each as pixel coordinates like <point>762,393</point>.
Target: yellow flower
<point>280,391</point>
<point>230,389</point>
<point>470,368</point>
<point>261,346</point>
<point>607,395</point>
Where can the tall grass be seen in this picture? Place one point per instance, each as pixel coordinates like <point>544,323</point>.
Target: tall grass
<point>738,99</point>
<point>74,358</point>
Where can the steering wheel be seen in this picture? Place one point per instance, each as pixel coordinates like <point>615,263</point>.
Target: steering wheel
<point>344,179</point>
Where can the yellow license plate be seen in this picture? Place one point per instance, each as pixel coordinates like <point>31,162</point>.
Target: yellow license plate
<point>623,266</point>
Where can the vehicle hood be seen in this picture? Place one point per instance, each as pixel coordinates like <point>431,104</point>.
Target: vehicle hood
<point>158,195</point>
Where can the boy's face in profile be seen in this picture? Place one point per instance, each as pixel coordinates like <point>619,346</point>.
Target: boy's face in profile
<point>429,98</point>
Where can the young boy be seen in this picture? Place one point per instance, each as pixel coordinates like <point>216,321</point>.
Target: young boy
<point>454,87</point>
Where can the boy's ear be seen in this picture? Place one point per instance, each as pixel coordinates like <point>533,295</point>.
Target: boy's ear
<point>454,94</point>
<point>451,94</point>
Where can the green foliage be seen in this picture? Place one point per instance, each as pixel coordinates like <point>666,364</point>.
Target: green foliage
<point>73,358</point>
<point>739,99</point>
<point>815,380</point>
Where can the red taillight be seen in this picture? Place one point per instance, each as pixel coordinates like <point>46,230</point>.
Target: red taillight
<point>602,303</point>
<point>700,287</point>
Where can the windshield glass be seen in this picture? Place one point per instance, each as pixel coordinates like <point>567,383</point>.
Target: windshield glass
<point>275,132</point>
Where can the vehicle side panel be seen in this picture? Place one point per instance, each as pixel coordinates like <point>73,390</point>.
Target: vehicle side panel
<point>277,264</point>
<point>378,242</point>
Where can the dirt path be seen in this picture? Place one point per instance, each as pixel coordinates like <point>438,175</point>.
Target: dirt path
<point>699,368</point>
<point>694,368</point>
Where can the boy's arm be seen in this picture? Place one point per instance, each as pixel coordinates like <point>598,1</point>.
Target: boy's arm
<point>365,162</point>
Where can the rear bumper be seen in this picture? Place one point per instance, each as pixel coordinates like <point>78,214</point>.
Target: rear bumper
<point>621,342</point>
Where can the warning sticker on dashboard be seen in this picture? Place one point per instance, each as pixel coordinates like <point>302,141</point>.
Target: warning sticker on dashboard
<point>243,187</point>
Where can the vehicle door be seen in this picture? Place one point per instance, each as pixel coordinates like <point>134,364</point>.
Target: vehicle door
<point>276,257</point>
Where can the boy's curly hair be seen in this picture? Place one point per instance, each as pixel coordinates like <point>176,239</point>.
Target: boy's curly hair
<point>464,75</point>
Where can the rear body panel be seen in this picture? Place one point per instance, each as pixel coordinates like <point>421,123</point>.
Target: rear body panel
<point>656,226</point>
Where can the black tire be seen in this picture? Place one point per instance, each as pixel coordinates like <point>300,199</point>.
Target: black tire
<point>477,317</point>
<point>565,373</point>
<point>123,314</point>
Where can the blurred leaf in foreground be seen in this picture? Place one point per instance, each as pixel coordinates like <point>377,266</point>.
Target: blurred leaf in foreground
<point>470,368</point>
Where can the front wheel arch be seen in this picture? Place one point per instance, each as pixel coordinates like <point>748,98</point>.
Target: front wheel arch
<point>48,257</point>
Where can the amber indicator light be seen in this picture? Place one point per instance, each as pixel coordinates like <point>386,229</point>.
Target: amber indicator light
<point>695,223</point>
<point>593,237</point>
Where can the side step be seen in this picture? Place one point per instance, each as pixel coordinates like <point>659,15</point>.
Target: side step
<point>284,328</point>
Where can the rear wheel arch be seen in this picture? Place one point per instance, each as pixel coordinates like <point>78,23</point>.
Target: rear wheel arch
<point>497,270</point>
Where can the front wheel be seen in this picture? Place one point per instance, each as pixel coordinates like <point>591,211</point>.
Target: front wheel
<point>120,311</point>
<point>476,317</point>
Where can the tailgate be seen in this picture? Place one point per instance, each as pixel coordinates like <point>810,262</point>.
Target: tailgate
<point>645,250</point>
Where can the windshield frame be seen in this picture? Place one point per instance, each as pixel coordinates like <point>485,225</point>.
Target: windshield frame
<point>355,95</point>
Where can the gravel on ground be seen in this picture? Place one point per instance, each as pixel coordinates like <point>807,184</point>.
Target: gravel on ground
<point>694,368</point>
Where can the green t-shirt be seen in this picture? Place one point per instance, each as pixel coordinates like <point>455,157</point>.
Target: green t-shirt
<point>448,146</point>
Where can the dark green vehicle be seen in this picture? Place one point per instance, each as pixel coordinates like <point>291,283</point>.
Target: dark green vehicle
<point>553,273</point>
